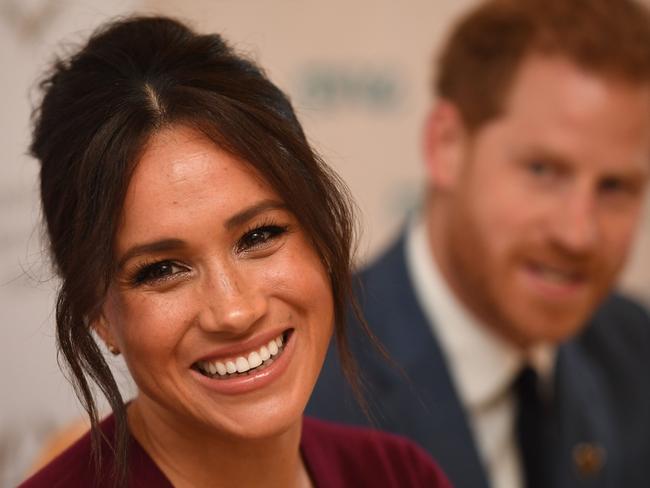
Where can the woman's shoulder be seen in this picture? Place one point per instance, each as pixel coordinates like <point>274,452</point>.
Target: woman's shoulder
<point>74,466</point>
<point>342,455</point>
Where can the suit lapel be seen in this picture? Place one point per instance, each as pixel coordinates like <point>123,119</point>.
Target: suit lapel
<point>390,304</point>
<point>584,442</point>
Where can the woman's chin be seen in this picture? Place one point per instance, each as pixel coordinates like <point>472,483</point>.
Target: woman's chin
<point>258,405</point>
<point>257,422</point>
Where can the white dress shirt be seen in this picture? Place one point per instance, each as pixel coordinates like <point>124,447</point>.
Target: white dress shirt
<point>483,366</point>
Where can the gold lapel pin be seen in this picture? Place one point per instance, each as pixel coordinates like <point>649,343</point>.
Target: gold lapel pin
<point>589,459</point>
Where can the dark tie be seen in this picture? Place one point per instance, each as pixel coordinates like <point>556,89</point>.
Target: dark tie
<point>530,427</point>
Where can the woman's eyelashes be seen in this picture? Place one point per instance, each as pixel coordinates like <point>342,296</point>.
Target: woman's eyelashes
<point>260,237</point>
<point>158,272</point>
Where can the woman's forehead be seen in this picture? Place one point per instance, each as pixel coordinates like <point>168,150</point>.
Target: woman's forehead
<point>179,156</point>
<point>183,178</point>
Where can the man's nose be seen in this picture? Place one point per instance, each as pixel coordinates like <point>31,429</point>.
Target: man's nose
<point>233,301</point>
<point>575,223</point>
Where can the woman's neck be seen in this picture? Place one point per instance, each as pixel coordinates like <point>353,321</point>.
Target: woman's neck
<point>194,457</point>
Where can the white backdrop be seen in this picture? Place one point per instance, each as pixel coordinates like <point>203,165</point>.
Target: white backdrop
<point>358,73</point>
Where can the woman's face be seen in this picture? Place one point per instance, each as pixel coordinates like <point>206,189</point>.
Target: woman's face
<point>220,305</point>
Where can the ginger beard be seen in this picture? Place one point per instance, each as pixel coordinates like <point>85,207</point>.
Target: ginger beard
<point>543,209</point>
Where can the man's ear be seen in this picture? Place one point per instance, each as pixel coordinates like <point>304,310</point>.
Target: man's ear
<point>445,141</point>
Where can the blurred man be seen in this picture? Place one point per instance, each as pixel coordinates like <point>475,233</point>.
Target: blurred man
<point>524,368</point>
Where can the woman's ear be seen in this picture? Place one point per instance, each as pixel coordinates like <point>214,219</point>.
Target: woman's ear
<point>444,145</point>
<point>103,329</point>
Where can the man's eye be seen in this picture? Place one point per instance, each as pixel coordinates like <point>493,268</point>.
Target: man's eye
<point>544,172</point>
<point>158,271</point>
<point>615,185</point>
<point>259,237</point>
<point>540,168</point>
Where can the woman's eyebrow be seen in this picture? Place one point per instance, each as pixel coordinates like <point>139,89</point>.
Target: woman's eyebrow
<point>172,244</point>
<point>248,213</point>
<point>151,247</point>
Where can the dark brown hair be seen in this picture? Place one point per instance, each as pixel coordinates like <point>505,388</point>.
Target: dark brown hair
<point>485,49</point>
<point>100,106</point>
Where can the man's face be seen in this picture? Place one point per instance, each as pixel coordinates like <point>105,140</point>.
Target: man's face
<point>546,199</point>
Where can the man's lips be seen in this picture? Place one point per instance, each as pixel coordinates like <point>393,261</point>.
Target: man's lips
<point>554,282</point>
<point>561,275</point>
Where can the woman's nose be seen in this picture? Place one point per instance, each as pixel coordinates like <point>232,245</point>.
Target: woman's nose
<point>233,301</point>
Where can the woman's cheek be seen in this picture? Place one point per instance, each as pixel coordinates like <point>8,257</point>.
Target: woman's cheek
<point>151,319</point>
<point>299,274</point>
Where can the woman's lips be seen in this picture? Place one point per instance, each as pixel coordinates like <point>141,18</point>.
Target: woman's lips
<point>247,371</point>
<point>245,362</point>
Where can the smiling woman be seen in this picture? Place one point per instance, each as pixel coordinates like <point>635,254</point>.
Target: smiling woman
<point>223,296</point>
<point>197,234</point>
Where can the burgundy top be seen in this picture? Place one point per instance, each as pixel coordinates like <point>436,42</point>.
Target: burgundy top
<point>335,456</point>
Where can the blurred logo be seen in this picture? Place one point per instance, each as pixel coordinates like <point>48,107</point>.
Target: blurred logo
<point>338,87</point>
<point>29,20</point>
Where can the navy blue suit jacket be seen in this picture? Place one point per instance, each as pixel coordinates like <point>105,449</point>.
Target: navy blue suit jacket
<point>602,386</point>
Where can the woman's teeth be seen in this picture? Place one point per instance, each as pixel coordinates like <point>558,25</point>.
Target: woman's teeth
<point>255,360</point>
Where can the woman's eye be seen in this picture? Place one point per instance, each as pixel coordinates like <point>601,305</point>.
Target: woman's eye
<point>158,271</point>
<point>259,237</point>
